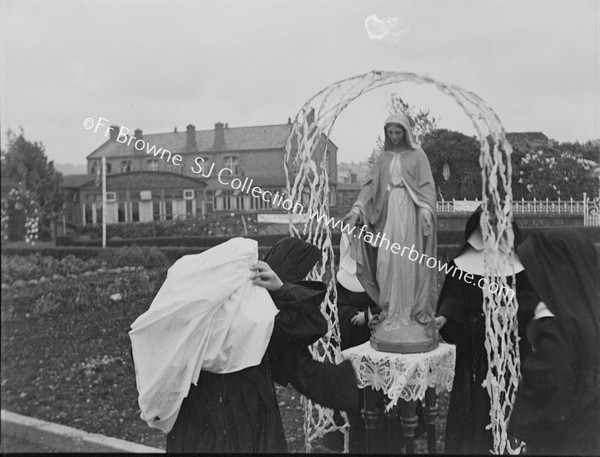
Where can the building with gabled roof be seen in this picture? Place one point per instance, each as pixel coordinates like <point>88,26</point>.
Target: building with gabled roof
<point>209,158</point>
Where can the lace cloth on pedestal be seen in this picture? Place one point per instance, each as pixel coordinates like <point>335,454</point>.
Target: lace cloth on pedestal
<point>403,376</point>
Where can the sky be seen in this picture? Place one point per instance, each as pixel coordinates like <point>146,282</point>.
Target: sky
<point>157,65</point>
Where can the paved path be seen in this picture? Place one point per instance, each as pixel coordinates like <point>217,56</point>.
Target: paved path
<point>26,434</point>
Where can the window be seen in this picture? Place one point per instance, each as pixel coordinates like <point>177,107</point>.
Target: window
<point>126,166</point>
<point>189,208</point>
<point>259,203</point>
<point>188,194</point>
<point>135,195</point>
<point>87,213</point>
<point>332,200</point>
<point>122,196</point>
<point>146,195</point>
<point>156,210</point>
<point>232,163</point>
<point>135,212</point>
<point>122,214</point>
<point>111,196</point>
<point>108,168</point>
<point>169,210</point>
<point>224,200</point>
<point>98,214</point>
<point>153,165</point>
<point>239,200</point>
<point>227,197</point>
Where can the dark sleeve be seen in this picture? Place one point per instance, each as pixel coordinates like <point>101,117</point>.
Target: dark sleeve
<point>527,300</point>
<point>451,305</point>
<point>285,294</point>
<point>298,324</point>
<point>299,320</point>
<point>332,386</point>
<point>545,394</point>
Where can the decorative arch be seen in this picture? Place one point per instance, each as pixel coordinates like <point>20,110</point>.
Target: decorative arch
<point>306,153</point>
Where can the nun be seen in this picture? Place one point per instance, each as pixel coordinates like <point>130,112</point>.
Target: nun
<point>461,322</point>
<point>223,327</point>
<point>557,409</point>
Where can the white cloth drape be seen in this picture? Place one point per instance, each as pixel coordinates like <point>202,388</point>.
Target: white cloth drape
<point>208,315</point>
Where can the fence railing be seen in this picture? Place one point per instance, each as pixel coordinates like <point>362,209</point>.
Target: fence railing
<point>589,208</point>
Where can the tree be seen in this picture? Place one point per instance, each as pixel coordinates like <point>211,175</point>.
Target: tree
<point>564,171</point>
<point>26,162</point>
<point>461,154</point>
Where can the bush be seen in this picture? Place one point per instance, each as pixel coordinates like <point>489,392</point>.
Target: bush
<point>36,266</point>
<point>217,224</point>
<point>134,256</point>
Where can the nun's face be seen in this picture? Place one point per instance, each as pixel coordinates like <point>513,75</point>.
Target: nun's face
<point>395,133</point>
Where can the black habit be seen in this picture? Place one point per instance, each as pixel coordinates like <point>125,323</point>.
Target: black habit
<point>557,409</point>
<point>238,412</point>
<point>462,305</point>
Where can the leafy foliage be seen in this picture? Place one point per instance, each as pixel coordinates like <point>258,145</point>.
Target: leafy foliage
<point>461,153</point>
<point>212,225</point>
<point>149,257</point>
<point>26,162</point>
<point>555,171</point>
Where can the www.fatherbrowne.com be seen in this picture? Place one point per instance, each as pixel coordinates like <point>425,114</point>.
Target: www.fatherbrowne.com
<point>279,200</point>
<point>380,239</point>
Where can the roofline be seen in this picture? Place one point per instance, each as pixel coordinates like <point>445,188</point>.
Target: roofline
<point>154,173</point>
<point>183,132</point>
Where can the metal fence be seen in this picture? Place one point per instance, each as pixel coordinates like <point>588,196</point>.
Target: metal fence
<point>588,207</point>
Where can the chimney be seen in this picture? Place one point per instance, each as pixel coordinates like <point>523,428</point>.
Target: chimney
<point>137,133</point>
<point>175,130</point>
<point>219,143</point>
<point>190,141</point>
<point>114,132</point>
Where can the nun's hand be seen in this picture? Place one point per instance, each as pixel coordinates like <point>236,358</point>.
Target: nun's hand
<point>426,222</point>
<point>263,276</point>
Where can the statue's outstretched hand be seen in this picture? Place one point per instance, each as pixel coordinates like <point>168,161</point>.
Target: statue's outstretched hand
<point>427,222</point>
